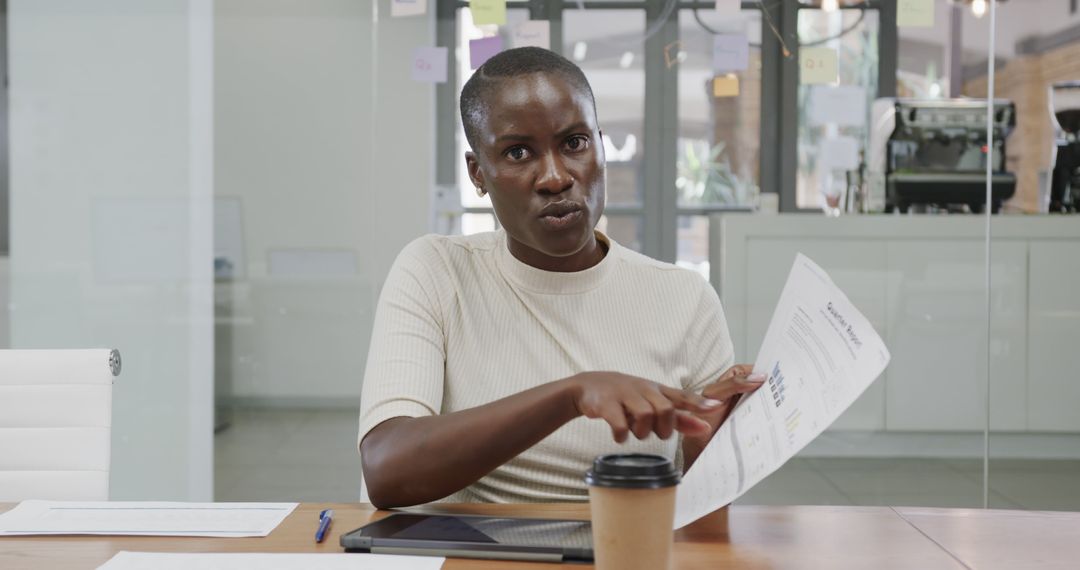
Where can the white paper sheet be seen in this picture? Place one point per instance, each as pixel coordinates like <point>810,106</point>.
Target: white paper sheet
<point>144,518</point>
<point>400,8</point>
<point>840,153</point>
<point>842,105</point>
<point>266,561</point>
<point>536,33</point>
<point>728,8</point>
<point>819,353</point>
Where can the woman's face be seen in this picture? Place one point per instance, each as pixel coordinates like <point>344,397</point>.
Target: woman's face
<point>540,157</point>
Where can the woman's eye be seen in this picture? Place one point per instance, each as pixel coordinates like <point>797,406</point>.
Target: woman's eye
<point>577,143</point>
<point>517,153</point>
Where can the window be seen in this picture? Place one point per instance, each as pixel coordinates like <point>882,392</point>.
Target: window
<point>677,149</point>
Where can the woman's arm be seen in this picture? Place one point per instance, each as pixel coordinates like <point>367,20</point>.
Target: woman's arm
<point>407,461</point>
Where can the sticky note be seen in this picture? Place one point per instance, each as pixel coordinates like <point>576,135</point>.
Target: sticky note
<point>483,49</point>
<point>731,52</point>
<point>429,64</point>
<point>535,33</point>
<point>488,12</point>
<point>728,8</point>
<point>400,8</point>
<point>842,105</point>
<point>840,153</point>
<point>725,86</point>
<point>915,13</point>
<point>818,65</point>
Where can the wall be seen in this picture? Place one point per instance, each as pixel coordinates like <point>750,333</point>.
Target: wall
<point>110,226</point>
<point>1016,20</point>
<point>326,145</point>
<point>1025,81</point>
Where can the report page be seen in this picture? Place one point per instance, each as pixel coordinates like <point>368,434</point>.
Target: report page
<point>819,354</point>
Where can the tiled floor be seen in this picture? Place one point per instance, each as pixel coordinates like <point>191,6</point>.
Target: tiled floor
<point>309,455</point>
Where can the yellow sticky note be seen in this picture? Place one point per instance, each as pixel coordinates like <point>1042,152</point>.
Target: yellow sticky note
<point>488,12</point>
<point>818,65</point>
<point>915,13</point>
<point>725,86</point>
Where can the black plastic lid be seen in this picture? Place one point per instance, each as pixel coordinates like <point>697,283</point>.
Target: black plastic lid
<point>632,471</point>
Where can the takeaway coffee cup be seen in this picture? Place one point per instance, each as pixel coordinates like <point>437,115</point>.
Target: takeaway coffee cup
<point>632,499</point>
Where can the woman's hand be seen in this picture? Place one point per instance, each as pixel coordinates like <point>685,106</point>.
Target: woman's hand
<point>635,405</point>
<point>731,386</point>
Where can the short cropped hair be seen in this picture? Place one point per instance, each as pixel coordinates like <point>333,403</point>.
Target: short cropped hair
<point>513,63</point>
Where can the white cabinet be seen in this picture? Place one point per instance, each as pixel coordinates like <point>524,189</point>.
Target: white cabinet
<point>921,282</point>
<point>1053,368</point>
<point>937,335</point>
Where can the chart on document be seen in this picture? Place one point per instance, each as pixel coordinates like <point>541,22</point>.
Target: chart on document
<point>819,354</point>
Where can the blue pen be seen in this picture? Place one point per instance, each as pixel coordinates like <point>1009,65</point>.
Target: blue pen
<point>324,524</point>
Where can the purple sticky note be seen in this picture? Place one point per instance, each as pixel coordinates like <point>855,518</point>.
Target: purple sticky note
<point>483,49</point>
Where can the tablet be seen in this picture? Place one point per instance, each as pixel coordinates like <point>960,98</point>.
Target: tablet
<point>470,536</point>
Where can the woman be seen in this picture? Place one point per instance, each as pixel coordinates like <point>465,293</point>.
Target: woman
<point>493,355</point>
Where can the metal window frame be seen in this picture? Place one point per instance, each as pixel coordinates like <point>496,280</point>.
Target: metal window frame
<point>787,86</point>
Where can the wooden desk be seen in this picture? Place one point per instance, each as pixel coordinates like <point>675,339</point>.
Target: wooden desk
<point>875,538</point>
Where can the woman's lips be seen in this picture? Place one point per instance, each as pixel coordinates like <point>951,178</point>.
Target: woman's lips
<point>558,222</point>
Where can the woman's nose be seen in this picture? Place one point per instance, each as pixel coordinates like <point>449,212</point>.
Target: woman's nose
<point>555,177</point>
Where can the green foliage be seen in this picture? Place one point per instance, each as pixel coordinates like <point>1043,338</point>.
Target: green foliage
<point>705,177</point>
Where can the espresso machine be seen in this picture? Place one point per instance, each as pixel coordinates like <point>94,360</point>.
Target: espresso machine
<point>930,155</point>
<point>1065,162</point>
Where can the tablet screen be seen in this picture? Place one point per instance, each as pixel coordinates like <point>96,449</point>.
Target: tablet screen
<point>482,530</point>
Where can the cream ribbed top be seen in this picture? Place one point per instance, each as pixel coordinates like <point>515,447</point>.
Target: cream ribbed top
<point>461,322</point>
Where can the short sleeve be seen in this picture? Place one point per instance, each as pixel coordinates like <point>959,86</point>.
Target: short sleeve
<point>406,360</point>
<point>710,351</point>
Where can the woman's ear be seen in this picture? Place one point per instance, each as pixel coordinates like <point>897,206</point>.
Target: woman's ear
<point>473,166</point>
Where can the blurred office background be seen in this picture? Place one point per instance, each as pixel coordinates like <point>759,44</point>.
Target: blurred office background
<point>219,187</point>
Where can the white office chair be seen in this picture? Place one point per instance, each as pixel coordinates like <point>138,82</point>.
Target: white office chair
<point>55,423</point>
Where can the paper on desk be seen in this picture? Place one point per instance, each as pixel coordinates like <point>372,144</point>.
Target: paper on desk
<point>266,561</point>
<point>819,354</point>
<point>144,518</point>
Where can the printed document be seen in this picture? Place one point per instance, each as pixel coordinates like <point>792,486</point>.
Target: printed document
<point>265,561</point>
<point>819,354</point>
<point>144,518</point>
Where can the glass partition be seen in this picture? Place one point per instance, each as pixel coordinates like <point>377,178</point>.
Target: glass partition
<point>220,189</point>
<point>323,169</point>
<point>916,436</point>
<point>1034,446</point>
<point>110,189</point>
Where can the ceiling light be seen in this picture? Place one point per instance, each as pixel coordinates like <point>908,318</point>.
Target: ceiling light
<point>978,7</point>
<point>830,5</point>
<point>626,60</point>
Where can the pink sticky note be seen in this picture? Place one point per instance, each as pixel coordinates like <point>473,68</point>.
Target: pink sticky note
<point>483,49</point>
<point>429,64</point>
